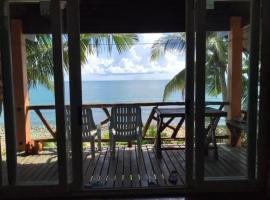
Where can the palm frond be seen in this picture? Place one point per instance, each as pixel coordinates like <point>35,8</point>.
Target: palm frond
<point>40,58</point>
<point>176,84</point>
<point>172,42</point>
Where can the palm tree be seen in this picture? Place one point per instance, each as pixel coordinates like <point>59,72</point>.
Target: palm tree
<point>40,58</point>
<point>216,62</point>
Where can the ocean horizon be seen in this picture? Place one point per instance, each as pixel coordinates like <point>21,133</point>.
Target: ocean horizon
<point>105,91</point>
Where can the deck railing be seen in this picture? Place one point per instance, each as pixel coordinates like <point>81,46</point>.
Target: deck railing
<point>105,107</point>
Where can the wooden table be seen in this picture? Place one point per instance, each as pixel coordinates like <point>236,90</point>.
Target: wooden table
<point>173,113</point>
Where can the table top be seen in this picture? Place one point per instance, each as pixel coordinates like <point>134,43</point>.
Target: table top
<point>180,112</point>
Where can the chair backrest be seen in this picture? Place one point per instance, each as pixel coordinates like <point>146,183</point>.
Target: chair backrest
<point>126,121</point>
<point>88,123</point>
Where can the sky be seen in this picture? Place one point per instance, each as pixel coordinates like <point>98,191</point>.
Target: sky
<point>134,64</point>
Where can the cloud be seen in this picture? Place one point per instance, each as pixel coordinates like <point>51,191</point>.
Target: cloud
<point>149,38</point>
<point>134,54</point>
<point>133,63</point>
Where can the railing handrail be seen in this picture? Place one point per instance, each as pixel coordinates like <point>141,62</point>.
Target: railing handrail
<point>144,104</point>
<point>37,109</point>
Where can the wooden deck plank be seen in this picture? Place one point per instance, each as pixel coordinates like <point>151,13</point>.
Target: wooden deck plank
<point>232,157</point>
<point>49,170</point>
<point>176,165</point>
<point>112,170</point>
<point>23,166</point>
<point>130,170</point>
<point>237,153</point>
<point>141,167</point>
<point>157,171</point>
<point>44,168</point>
<point>90,170</point>
<point>134,169</point>
<point>171,168</point>
<point>39,168</point>
<point>149,169</point>
<point>27,169</point>
<point>119,168</point>
<point>105,168</point>
<point>52,170</point>
<point>180,157</point>
<point>86,164</point>
<point>214,166</point>
<point>30,165</point>
<point>98,168</point>
<point>127,170</point>
<point>164,169</point>
<point>233,164</point>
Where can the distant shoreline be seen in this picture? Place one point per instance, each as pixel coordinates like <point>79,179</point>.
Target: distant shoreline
<point>66,81</point>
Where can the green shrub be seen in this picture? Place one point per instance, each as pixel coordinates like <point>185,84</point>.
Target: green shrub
<point>151,132</point>
<point>50,145</point>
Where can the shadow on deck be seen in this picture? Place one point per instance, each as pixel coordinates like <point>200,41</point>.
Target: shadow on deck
<point>128,169</point>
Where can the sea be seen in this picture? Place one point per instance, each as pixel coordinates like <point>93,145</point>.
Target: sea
<point>94,92</point>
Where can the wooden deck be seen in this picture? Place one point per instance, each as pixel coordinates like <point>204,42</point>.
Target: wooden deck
<point>128,169</point>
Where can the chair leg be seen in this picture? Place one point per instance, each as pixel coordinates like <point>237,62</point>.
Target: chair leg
<point>113,149</point>
<point>139,144</point>
<point>111,144</point>
<point>99,140</point>
<point>92,144</point>
<point>214,141</point>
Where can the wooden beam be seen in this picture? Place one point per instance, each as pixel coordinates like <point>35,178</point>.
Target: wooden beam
<point>143,104</point>
<point>44,121</point>
<point>56,23</point>
<point>119,17</point>
<point>75,86</point>
<point>9,108</point>
<point>235,71</point>
<point>20,83</point>
<point>253,87</point>
<point>200,12</point>
<point>189,97</point>
<point>264,106</point>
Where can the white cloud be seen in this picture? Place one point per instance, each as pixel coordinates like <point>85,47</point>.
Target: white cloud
<point>134,54</point>
<point>150,38</point>
<point>132,64</point>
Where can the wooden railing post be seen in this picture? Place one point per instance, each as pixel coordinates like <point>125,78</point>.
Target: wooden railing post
<point>9,108</point>
<point>235,72</point>
<point>20,83</point>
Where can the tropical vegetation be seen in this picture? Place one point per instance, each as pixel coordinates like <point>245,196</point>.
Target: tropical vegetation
<point>216,63</point>
<point>40,57</point>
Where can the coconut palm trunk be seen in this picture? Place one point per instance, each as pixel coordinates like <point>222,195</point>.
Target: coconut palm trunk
<point>223,83</point>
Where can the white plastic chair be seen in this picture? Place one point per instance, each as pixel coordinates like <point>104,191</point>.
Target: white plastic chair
<point>89,129</point>
<point>125,126</point>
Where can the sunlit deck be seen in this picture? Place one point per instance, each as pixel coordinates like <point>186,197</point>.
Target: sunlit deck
<point>128,169</point>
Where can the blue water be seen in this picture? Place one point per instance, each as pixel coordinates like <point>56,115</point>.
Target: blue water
<point>105,92</point>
